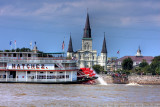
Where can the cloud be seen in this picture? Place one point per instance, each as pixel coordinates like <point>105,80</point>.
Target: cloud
<point>124,12</point>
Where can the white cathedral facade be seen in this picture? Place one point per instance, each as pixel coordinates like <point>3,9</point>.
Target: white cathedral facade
<point>87,57</point>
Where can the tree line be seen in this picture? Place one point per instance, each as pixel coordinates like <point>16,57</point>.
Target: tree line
<point>143,68</point>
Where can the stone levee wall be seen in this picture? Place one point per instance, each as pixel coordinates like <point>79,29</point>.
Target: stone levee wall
<point>144,79</point>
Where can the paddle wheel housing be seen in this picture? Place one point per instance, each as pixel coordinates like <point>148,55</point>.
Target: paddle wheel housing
<point>86,75</point>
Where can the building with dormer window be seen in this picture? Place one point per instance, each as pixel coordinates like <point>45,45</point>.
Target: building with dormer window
<point>137,59</point>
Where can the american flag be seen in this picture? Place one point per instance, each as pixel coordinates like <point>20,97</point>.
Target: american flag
<point>117,52</point>
<point>10,43</point>
<point>15,42</point>
<point>63,45</point>
<point>31,43</point>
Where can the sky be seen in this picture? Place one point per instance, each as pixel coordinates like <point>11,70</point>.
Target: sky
<point>127,24</point>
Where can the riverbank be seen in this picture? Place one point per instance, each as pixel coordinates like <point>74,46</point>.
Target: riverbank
<point>144,79</point>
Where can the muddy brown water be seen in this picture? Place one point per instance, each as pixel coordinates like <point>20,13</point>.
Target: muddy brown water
<point>79,95</point>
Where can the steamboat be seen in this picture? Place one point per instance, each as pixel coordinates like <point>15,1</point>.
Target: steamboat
<point>35,67</point>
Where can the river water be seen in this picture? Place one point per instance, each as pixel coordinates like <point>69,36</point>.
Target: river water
<point>79,95</point>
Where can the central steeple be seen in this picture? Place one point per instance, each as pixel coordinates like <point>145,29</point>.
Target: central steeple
<point>87,29</point>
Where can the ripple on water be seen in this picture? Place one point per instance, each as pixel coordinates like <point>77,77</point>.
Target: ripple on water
<point>51,94</point>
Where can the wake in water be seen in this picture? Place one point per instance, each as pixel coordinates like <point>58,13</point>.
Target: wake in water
<point>101,80</point>
<point>133,84</point>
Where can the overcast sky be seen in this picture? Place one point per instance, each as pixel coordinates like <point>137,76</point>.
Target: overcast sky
<point>127,23</point>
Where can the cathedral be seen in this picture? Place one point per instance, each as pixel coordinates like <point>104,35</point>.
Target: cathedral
<point>86,56</point>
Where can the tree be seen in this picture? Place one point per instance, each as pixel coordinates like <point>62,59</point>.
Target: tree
<point>143,64</point>
<point>25,49</point>
<point>6,50</point>
<point>157,71</point>
<point>17,50</point>
<point>146,69</point>
<point>143,68</point>
<point>127,64</point>
<point>98,68</point>
<point>155,63</point>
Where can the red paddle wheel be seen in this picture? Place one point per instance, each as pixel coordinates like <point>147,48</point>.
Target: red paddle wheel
<point>86,76</point>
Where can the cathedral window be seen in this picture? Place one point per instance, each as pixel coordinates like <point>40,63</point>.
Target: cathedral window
<point>84,47</point>
<point>88,47</point>
<point>119,63</point>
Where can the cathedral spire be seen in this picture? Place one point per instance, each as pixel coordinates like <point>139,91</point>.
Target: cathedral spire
<point>87,29</point>
<point>104,48</point>
<point>70,48</point>
<point>139,52</point>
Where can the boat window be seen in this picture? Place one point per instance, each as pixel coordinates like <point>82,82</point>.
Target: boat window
<point>51,72</point>
<point>9,55</point>
<point>5,54</point>
<point>28,72</point>
<point>20,55</point>
<point>41,72</point>
<point>14,55</point>
<point>60,72</point>
<point>67,76</point>
<point>29,55</point>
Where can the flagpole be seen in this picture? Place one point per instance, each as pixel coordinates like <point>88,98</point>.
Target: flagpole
<point>64,46</point>
<point>15,45</point>
<point>31,45</point>
<point>11,44</point>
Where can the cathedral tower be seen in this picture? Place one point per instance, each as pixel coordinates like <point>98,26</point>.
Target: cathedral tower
<point>87,39</point>
<point>70,48</point>
<point>139,52</point>
<point>104,54</point>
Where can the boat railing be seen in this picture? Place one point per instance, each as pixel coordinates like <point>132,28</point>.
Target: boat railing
<point>32,80</point>
<point>37,60</point>
<point>65,68</point>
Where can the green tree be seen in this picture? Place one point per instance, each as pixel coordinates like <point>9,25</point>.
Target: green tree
<point>155,63</point>
<point>127,64</point>
<point>6,50</point>
<point>157,71</point>
<point>146,69</point>
<point>25,49</point>
<point>98,68</point>
<point>12,50</point>
<point>17,50</point>
<point>143,64</point>
<point>143,68</point>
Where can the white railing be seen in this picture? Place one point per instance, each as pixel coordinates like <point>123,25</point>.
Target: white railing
<point>33,80</point>
<point>36,60</point>
<point>65,68</point>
